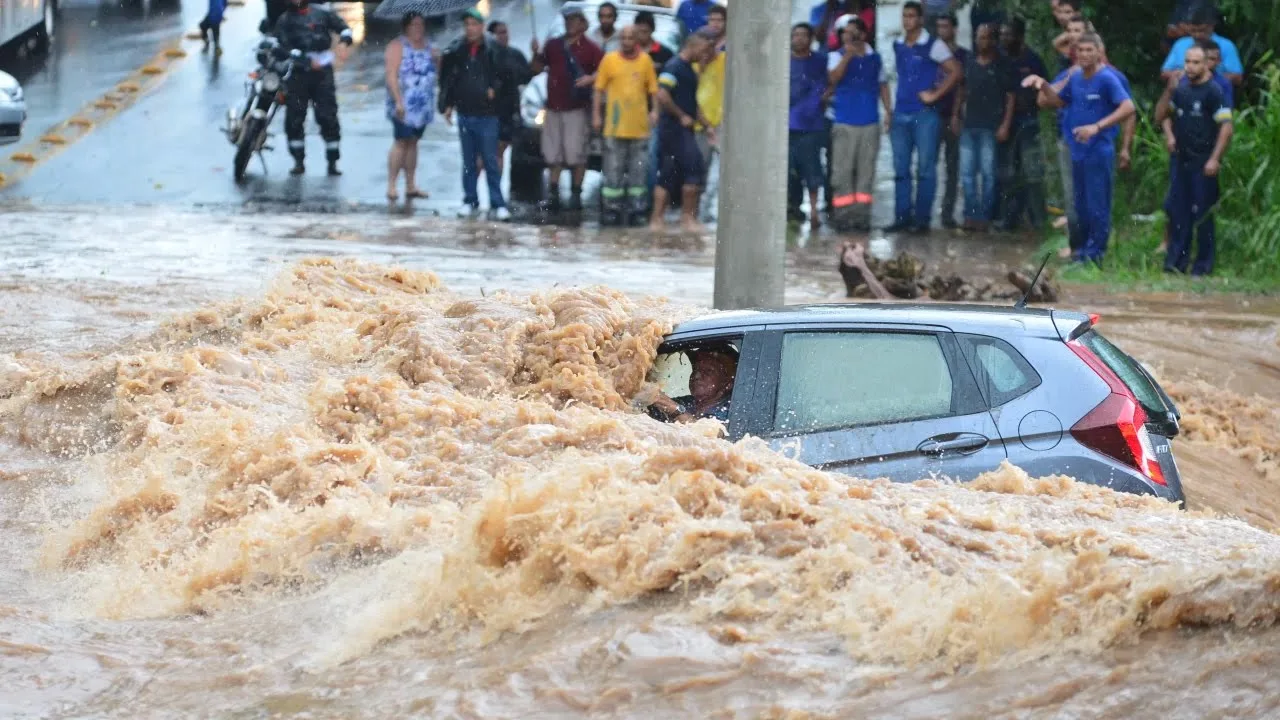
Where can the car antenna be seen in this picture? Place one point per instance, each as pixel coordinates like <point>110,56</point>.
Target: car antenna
<point>1022,302</point>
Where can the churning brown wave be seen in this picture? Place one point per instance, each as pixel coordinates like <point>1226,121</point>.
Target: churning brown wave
<point>479,465</point>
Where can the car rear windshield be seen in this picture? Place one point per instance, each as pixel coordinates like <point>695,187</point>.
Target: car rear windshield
<point>1131,374</point>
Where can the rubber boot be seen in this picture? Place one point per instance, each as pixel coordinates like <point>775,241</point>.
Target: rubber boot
<point>299,167</point>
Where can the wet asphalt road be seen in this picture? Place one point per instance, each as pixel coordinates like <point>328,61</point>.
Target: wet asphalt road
<point>167,149</point>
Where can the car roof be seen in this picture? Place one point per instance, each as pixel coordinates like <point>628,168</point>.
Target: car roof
<point>960,317</point>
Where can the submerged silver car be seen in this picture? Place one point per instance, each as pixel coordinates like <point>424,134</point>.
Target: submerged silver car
<point>914,391</point>
<point>13,109</point>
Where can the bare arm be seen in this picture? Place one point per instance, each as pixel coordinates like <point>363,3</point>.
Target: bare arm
<point>951,76</point>
<point>1122,113</point>
<point>837,73</point>
<point>886,98</point>
<point>668,105</point>
<point>1225,131</point>
<point>1062,44</point>
<point>1163,104</point>
<point>393,55</point>
<point>1048,96</point>
<point>1007,122</point>
<point>1128,128</point>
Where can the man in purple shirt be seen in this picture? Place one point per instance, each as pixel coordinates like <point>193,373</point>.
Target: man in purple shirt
<point>806,136</point>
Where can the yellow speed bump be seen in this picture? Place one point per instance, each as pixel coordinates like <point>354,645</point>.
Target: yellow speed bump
<point>104,105</point>
<point>194,35</point>
<point>177,52</point>
<point>53,139</point>
<point>128,87</point>
<point>151,70</point>
<point>80,122</point>
<point>23,157</point>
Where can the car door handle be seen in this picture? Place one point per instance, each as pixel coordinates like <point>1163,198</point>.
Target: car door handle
<point>950,444</point>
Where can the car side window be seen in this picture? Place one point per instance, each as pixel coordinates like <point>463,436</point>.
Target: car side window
<point>1001,371</point>
<point>672,368</point>
<point>831,380</point>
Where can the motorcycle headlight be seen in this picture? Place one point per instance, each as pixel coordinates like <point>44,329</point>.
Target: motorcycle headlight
<point>271,82</point>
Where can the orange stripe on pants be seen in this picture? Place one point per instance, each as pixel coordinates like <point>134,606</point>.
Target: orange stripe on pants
<point>862,198</point>
<point>841,201</point>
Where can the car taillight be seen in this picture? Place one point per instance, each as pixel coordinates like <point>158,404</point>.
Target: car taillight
<point>1117,426</point>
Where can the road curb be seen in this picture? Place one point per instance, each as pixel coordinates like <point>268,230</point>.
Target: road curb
<point>20,161</point>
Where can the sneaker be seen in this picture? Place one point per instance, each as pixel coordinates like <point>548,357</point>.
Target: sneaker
<point>502,214</point>
<point>467,210</point>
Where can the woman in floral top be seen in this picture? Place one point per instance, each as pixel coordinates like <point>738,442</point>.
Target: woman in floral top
<point>411,64</point>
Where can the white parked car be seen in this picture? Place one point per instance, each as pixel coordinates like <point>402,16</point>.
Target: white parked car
<point>13,109</point>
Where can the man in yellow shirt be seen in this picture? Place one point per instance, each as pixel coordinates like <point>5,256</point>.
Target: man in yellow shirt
<point>627,85</point>
<point>711,99</point>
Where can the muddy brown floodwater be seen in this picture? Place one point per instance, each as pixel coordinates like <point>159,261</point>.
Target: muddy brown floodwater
<point>336,488</point>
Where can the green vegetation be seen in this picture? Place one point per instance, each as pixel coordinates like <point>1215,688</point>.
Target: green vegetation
<point>1248,213</point>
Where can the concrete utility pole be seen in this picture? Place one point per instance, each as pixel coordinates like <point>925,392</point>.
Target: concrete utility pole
<point>751,237</point>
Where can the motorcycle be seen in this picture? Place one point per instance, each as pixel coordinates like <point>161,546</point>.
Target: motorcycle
<point>265,94</point>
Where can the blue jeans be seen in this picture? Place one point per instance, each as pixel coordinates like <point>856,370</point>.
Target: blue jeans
<point>1092,177</point>
<point>479,135</point>
<point>978,164</point>
<point>1192,196</point>
<point>916,132</point>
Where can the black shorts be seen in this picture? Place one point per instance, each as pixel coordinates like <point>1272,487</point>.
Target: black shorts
<point>680,161</point>
<point>506,128</point>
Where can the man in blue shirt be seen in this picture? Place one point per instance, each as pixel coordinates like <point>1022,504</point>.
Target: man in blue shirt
<point>857,80</point>
<point>926,72</point>
<point>1202,29</point>
<point>1021,159</point>
<point>693,13</point>
<point>806,127</point>
<point>1095,104</point>
<point>1197,127</point>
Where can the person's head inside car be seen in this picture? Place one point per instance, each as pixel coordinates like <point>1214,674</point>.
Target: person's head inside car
<point>711,381</point>
<point>710,387</point>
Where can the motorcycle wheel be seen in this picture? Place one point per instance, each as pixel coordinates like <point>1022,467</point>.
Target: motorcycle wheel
<point>249,137</point>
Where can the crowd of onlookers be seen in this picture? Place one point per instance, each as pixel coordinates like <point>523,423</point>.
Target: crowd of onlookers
<point>656,108</point>
<point>974,111</point>
<point>977,112</point>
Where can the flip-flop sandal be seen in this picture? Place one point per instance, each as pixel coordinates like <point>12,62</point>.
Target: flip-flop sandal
<point>393,197</point>
<point>416,193</point>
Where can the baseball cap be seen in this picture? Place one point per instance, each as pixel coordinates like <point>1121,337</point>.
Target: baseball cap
<point>847,20</point>
<point>474,14</point>
<point>569,12</point>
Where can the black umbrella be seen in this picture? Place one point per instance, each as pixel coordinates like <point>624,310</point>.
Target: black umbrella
<point>396,9</point>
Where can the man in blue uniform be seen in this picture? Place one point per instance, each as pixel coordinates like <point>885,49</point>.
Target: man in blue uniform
<point>1197,127</point>
<point>921,60</point>
<point>1095,104</point>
